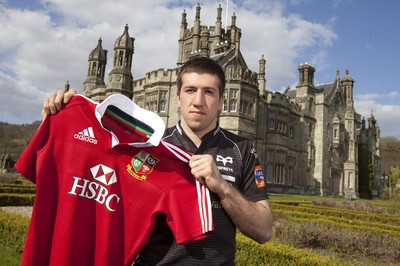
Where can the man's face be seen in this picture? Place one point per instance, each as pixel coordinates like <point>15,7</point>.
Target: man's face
<point>199,102</point>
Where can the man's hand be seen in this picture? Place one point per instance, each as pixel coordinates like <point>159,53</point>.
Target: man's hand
<point>52,103</point>
<point>205,170</point>
<point>253,218</point>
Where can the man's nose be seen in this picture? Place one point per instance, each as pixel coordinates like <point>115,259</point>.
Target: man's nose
<point>199,98</point>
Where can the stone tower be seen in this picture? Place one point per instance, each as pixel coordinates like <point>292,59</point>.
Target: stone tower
<point>93,86</point>
<point>305,90</point>
<point>120,77</point>
<point>209,41</point>
<point>350,186</point>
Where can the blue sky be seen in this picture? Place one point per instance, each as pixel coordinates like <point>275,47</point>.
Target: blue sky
<point>45,43</point>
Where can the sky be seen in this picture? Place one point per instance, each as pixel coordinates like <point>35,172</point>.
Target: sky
<point>45,43</point>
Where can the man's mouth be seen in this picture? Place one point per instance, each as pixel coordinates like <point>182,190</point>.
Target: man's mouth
<point>198,113</point>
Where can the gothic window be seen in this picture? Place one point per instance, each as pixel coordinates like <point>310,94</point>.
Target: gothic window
<point>120,57</point>
<point>233,100</point>
<point>271,120</point>
<point>225,106</point>
<point>163,101</point>
<point>279,174</point>
<point>349,184</point>
<point>139,101</point>
<point>152,101</point>
<point>94,66</point>
<point>246,104</point>
<point>99,70</point>
<point>250,109</point>
<point>280,164</point>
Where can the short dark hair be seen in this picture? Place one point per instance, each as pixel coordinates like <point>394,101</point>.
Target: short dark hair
<point>202,65</point>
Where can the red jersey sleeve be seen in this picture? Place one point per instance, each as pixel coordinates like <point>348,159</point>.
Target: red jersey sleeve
<point>188,209</point>
<point>188,204</point>
<point>26,164</point>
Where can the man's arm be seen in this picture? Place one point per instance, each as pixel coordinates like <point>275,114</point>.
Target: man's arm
<point>254,219</point>
<point>52,102</point>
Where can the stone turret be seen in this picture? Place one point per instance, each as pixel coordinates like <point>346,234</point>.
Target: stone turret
<point>120,77</point>
<point>201,40</point>
<point>305,90</point>
<point>261,76</point>
<point>96,69</point>
<point>348,85</point>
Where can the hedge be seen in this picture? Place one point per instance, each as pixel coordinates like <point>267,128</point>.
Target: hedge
<point>16,199</point>
<point>18,190</point>
<point>341,213</point>
<point>343,222</point>
<point>344,240</point>
<point>13,229</point>
<point>249,252</point>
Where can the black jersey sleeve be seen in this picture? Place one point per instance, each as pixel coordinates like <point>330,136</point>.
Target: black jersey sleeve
<point>253,184</point>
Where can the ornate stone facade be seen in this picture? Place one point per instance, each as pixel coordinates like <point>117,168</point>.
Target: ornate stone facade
<point>307,138</point>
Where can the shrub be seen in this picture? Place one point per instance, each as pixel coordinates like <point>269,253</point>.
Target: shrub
<point>311,234</point>
<point>13,229</point>
<point>17,190</point>
<point>339,213</point>
<point>350,205</point>
<point>248,252</point>
<point>17,199</point>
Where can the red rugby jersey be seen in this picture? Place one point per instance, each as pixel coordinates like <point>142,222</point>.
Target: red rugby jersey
<point>97,197</point>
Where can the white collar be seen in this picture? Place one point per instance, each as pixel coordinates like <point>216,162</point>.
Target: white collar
<point>129,107</point>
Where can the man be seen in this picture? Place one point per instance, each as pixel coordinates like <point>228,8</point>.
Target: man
<point>225,162</point>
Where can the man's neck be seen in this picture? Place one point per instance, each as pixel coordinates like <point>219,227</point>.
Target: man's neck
<point>195,136</point>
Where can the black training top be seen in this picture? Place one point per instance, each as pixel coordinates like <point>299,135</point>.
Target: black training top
<point>238,163</point>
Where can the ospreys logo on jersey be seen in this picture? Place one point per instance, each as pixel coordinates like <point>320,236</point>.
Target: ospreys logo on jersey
<point>141,165</point>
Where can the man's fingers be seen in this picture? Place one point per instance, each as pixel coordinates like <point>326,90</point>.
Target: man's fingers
<point>45,109</point>
<point>59,100</point>
<point>68,95</point>
<point>52,102</point>
<point>48,103</point>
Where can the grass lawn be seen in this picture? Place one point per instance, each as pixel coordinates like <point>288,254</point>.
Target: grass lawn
<point>8,257</point>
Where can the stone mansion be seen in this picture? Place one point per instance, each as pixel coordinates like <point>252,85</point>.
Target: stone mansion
<point>308,138</point>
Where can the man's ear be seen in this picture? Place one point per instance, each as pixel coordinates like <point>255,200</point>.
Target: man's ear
<point>178,99</point>
<point>221,102</point>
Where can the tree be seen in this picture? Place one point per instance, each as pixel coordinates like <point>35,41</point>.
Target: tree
<point>390,153</point>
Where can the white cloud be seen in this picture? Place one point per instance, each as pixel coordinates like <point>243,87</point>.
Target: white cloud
<point>386,114</point>
<point>368,97</point>
<point>19,99</point>
<point>394,94</point>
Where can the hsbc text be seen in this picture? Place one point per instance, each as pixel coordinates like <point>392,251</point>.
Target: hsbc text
<point>93,190</point>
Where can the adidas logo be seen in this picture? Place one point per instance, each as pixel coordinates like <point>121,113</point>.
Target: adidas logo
<point>86,135</point>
